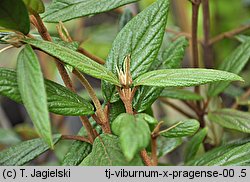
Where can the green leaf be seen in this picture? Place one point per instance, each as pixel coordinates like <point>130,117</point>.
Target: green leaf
<point>180,94</point>
<point>127,15</point>
<point>24,152</point>
<point>14,15</point>
<point>31,86</point>
<point>184,77</point>
<point>141,38</point>
<point>232,119</point>
<point>145,97</point>
<point>77,152</point>
<point>106,152</point>
<point>75,59</point>
<point>234,63</point>
<point>181,129</point>
<point>231,154</point>
<point>115,110</point>
<point>64,10</point>
<point>170,58</point>
<point>35,5</point>
<point>71,45</point>
<point>242,38</point>
<point>8,137</point>
<point>133,132</point>
<point>174,53</point>
<point>60,100</point>
<point>194,144</point>
<point>167,145</point>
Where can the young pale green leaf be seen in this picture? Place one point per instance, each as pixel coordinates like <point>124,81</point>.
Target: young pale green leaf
<point>174,53</point>
<point>75,59</point>
<point>141,38</point>
<point>170,58</point>
<point>232,119</point>
<point>64,10</point>
<point>133,132</point>
<point>180,94</point>
<point>167,145</point>
<point>184,77</point>
<point>234,63</point>
<point>60,100</point>
<point>106,152</point>
<point>232,154</point>
<point>194,144</point>
<point>181,129</point>
<point>77,153</point>
<point>24,152</point>
<point>35,5</point>
<point>31,86</point>
<point>14,15</point>
<point>8,137</point>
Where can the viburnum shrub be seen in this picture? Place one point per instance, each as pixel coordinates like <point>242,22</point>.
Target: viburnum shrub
<point>138,70</point>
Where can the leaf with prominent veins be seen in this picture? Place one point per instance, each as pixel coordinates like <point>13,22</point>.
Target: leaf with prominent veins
<point>184,77</point>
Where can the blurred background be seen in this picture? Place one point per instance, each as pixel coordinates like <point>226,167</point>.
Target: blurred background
<point>96,34</point>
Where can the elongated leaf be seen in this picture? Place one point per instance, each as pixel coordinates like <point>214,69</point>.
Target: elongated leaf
<point>234,63</point>
<point>145,97</point>
<point>116,109</point>
<point>31,86</point>
<point>194,144</point>
<point>167,145</point>
<point>232,119</point>
<point>141,38</point>
<point>64,10</point>
<point>106,152</point>
<point>180,94</point>
<point>174,53</point>
<point>127,15</point>
<point>133,132</point>
<point>35,5</point>
<point>71,45</point>
<point>184,77</point>
<point>75,60</point>
<point>8,137</point>
<point>77,152</point>
<point>60,100</point>
<point>24,152</point>
<point>181,129</point>
<point>14,15</point>
<point>232,154</point>
<point>169,59</point>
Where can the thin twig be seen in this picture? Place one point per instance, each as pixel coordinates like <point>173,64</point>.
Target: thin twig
<point>91,132</point>
<point>207,48</point>
<point>38,23</point>
<point>146,159</point>
<point>154,151</point>
<point>154,136</point>
<point>178,34</point>
<point>99,111</point>
<point>229,34</point>
<point>176,108</point>
<point>91,56</point>
<point>72,137</point>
